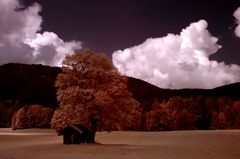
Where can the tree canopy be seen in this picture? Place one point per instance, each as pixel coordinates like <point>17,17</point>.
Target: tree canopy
<point>91,88</point>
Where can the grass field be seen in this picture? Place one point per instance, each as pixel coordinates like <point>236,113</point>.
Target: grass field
<point>45,144</point>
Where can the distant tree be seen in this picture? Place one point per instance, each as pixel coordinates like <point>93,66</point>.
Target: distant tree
<point>184,120</point>
<point>236,114</point>
<point>33,116</point>
<point>90,91</point>
<point>183,117</point>
<point>159,118</point>
<point>222,121</point>
<point>215,121</point>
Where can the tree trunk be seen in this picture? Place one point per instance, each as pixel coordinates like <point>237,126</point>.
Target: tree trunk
<point>94,122</point>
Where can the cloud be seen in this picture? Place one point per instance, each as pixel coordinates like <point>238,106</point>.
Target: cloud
<point>20,40</point>
<point>236,14</point>
<point>178,61</point>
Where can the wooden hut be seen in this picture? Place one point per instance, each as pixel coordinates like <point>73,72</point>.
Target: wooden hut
<point>76,134</point>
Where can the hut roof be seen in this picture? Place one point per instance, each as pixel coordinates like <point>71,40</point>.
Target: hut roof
<point>76,127</point>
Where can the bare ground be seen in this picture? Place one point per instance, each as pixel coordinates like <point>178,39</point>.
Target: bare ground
<point>45,144</point>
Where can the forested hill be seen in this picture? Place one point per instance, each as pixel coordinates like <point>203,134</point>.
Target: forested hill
<point>34,84</point>
<point>143,91</point>
<point>28,84</point>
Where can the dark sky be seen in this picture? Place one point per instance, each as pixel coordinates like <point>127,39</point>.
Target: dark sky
<point>109,25</point>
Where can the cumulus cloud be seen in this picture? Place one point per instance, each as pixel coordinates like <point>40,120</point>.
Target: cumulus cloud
<point>178,61</point>
<point>20,40</point>
<point>237,16</point>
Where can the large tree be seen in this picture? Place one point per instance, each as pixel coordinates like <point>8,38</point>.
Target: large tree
<point>90,91</point>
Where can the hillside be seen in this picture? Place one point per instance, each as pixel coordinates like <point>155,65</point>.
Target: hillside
<point>144,91</point>
<point>34,84</point>
<point>28,84</point>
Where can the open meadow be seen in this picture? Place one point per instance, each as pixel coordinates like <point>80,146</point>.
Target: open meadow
<point>45,144</point>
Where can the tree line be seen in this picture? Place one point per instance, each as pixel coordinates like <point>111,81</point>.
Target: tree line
<point>192,113</point>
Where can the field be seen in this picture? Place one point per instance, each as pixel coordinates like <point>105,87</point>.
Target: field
<point>45,144</point>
